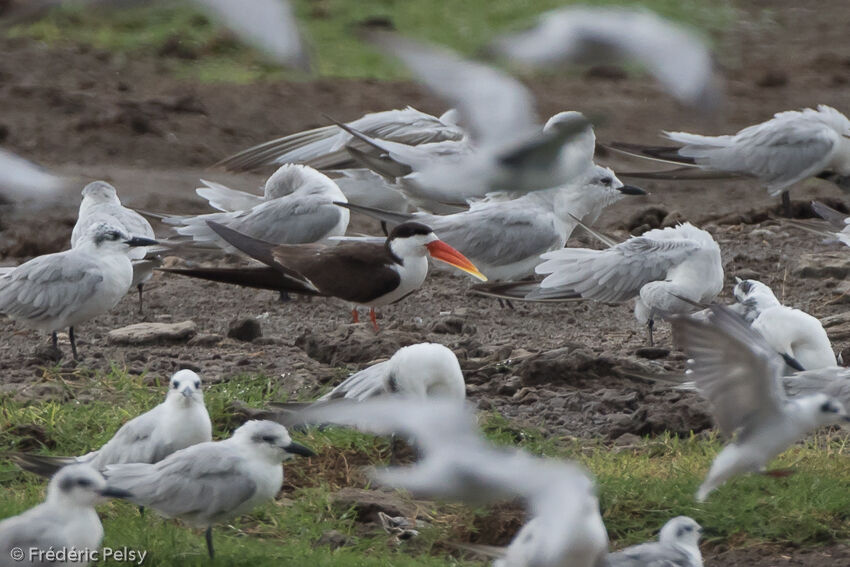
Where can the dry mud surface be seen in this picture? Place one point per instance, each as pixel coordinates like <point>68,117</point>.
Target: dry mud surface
<point>572,369</point>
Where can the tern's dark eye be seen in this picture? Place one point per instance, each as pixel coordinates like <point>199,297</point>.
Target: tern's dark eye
<point>83,482</point>
<point>606,181</point>
<point>197,384</point>
<point>269,438</point>
<point>827,407</point>
<point>175,385</point>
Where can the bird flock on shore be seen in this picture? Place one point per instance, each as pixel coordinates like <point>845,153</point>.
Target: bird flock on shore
<point>488,189</point>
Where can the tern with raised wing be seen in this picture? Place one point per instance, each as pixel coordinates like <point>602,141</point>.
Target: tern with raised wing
<point>676,56</point>
<point>66,289</point>
<point>667,271</point>
<point>325,147</point>
<point>510,152</point>
<point>564,527</point>
<point>741,375</point>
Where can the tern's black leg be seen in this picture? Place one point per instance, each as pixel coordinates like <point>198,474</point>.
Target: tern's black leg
<point>284,297</point>
<point>384,228</point>
<point>208,536</point>
<point>393,450</point>
<point>73,343</point>
<point>55,338</point>
<point>786,205</point>
<point>142,511</point>
<point>649,326</point>
<point>139,287</point>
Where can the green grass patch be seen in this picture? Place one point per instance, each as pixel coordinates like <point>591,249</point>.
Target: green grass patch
<point>640,487</point>
<point>195,47</point>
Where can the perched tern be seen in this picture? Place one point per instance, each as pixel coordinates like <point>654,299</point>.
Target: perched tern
<point>362,273</point>
<point>210,483</point>
<point>297,208</point>
<point>564,528</point>
<point>677,546</point>
<point>791,332</point>
<point>667,271</point>
<point>101,204</point>
<point>179,422</point>
<point>675,55</point>
<point>505,238</point>
<point>68,288</point>
<point>788,148</point>
<point>66,521</point>
<point>741,375</point>
<point>325,147</point>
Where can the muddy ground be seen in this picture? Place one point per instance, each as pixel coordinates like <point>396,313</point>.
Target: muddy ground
<point>572,369</point>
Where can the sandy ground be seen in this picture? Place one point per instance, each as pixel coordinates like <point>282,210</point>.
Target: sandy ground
<point>567,368</point>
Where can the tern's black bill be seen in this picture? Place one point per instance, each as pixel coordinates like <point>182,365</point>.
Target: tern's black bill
<point>631,190</point>
<point>139,241</point>
<point>111,492</point>
<point>297,449</point>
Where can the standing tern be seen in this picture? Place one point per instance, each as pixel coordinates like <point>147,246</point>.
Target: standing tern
<point>667,271</point>
<point>565,527</point>
<point>297,208</point>
<point>791,332</point>
<point>505,238</point>
<point>363,273</point>
<point>741,375</point>
<point>788,148</point>
<point>68,288</point>
<point>677,546</point>
<point>66,521</point>
<point>511,153</point>
<point>209,483</point>
<point>179,422</point>
<point>675,55</point>
<point>325,147</point>
<point>101,204</point>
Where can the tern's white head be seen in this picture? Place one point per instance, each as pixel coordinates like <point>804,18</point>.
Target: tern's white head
<point>185,388</point>
<point>588,196</point>
<point>820,409</point>
<point>415,240</point>
<point>680,530</point>
<point>106,239</point>
<point>269,440</point>
<point>80,485</point>
<point>98,193</point>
